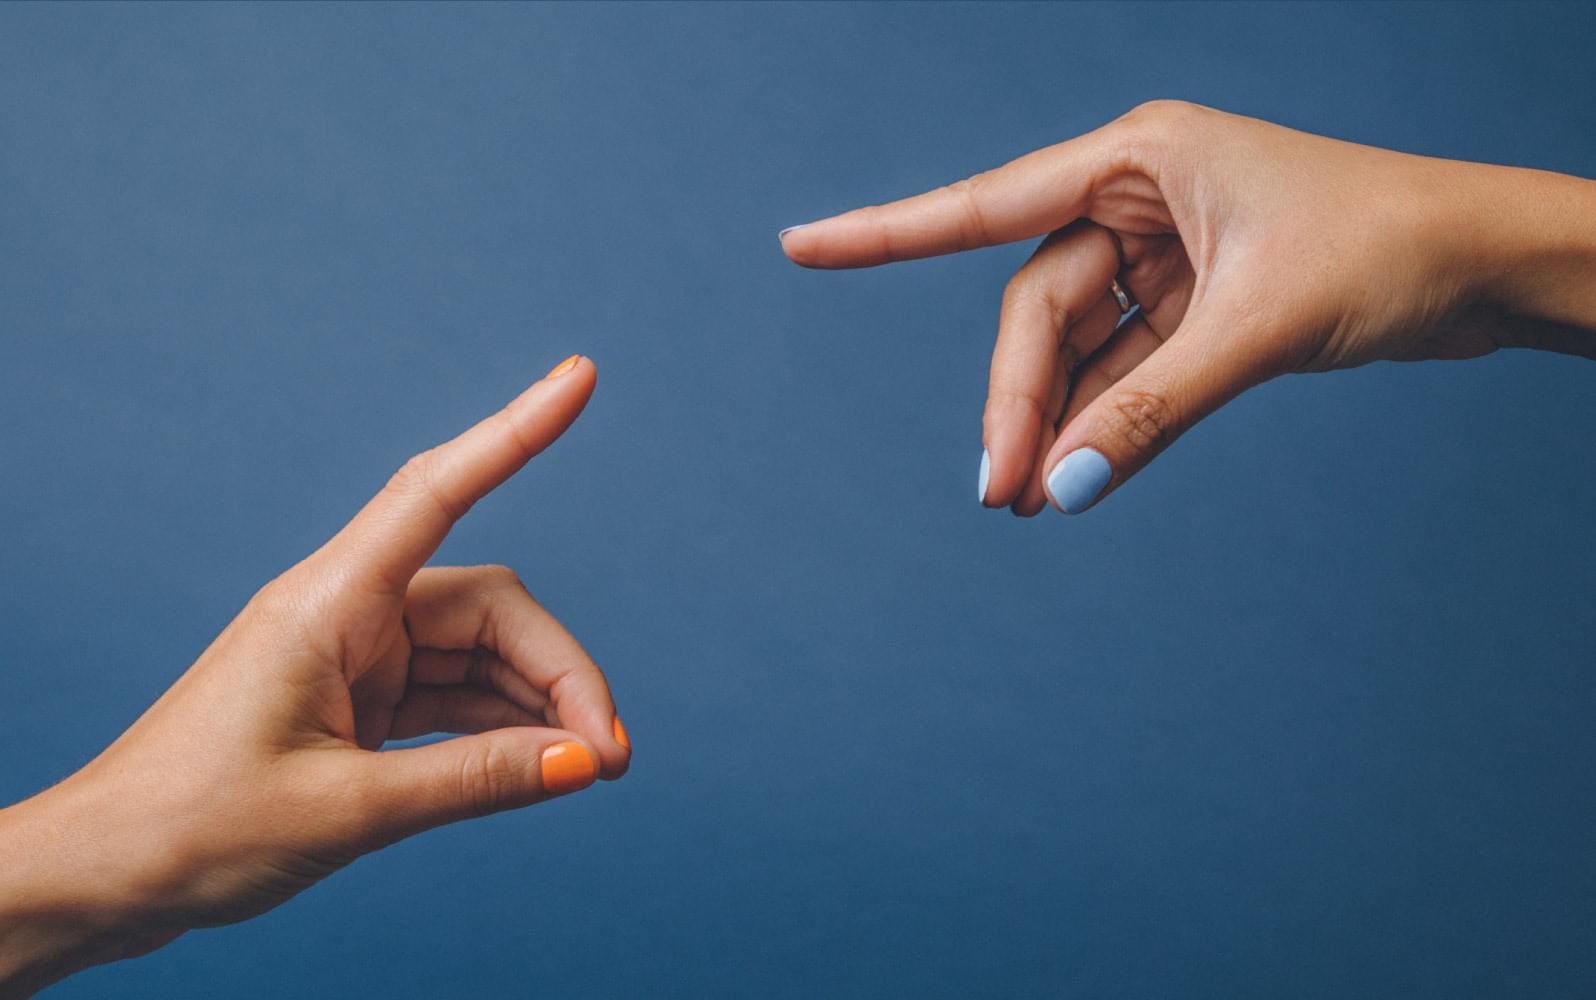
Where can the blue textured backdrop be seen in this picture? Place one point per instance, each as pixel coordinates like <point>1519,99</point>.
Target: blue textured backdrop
<point>1305,710</point>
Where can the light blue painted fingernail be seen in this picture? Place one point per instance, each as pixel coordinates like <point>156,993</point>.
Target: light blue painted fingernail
<point>986,474</point>
<point>783,234</point>
<point>1078,479</point>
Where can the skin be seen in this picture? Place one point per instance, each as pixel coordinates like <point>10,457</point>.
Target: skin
<point>255,775</point>
<point>1253,251</point>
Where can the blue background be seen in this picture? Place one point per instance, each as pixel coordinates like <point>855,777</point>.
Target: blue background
<point>1304,710</point>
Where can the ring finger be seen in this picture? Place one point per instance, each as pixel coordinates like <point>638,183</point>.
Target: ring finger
<point>1078,342</point>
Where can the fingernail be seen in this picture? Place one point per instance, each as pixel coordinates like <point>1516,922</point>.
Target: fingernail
<point>986,475</point>
<point>783,234</point>
<point>1078,479</point>
<point>567,767</point>
<point>619,732</point>
<point>564,366</point>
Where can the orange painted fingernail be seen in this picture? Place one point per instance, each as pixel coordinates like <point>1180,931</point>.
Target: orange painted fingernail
<point>567,767</point>
<point>619,731</point>
<point>564,366</point>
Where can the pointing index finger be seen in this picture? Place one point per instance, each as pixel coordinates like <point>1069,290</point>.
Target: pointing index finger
<point>1035,194</point>
<point>395,534</point>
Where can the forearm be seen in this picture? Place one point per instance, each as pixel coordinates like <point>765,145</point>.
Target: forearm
<point>1534,236</point>
<point>60,910</point>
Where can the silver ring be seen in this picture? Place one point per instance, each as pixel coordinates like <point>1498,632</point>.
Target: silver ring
<point>1121,297</point>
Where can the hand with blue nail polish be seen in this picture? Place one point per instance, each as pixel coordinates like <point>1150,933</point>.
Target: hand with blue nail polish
<point>1243,250</point>
<point>256,774</point>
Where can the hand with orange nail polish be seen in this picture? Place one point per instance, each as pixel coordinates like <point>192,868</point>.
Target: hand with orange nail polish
<point>257,774</point>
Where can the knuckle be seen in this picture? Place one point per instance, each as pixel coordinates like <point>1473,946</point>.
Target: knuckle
<point>525,444</point>
<point>1002,394</point>
<point>272,602</point>
<point>973,230</point>
<point>1145,421</point>
<point>1151,126</point>
<point>420,474</point>
<point>1160,111</point>
<point>417,468</point>
<point>1091,242</point>
<point>877,219</point>
<point>503,578</point>
<point>1040,283</point>
<point>1108,245</point>
<point>286,604</point>
<point>486,780</point>
<point>1026,288</point>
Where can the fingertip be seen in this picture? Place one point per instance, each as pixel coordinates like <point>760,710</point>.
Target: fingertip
<point>563,367</point>
<point>1023,437</point>
<point>1027,507</point>
<point>797,245</point>
<point>1011,450</point>
<point>1029,499</point>
<point>567,766</point>
<point>835,243</point>
<point>1079,480</point>
<point>574,369</point>
<point>555,401</point>
<point>613,766</point>
<point>618,757</point>
<point>587,710</point>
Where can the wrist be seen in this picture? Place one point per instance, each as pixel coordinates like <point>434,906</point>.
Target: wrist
<point>1531,256</point>
<point>66,899</point>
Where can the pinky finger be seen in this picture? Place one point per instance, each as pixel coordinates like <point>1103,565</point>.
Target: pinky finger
<point>1032,499</point>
